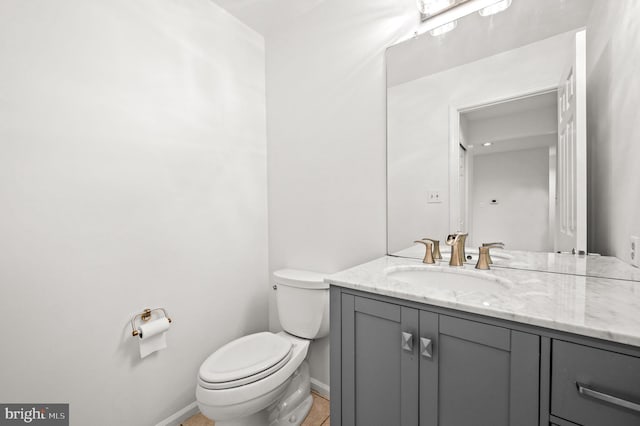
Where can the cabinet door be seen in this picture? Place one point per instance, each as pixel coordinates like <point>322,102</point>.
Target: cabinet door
<point>477,374</point>
<point>379,363</point>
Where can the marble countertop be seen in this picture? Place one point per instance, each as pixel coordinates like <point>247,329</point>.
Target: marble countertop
<point>560,263</point>
<point>607,309</point>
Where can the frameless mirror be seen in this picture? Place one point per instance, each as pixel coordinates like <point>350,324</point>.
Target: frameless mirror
<point>486,128</point>
<point>487,131</point>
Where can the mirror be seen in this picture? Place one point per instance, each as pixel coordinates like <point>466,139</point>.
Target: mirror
<point>486,128</point>
<point>507,172</point>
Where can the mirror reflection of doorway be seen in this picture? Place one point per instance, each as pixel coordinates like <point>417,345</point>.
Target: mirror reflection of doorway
<point>508,171</point>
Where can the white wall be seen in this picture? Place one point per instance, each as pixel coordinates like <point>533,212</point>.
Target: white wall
<point>326,138</point>
<point>132,175</point>
<point>613,116</point>
<point>519,181</point>
<point>418,129</point>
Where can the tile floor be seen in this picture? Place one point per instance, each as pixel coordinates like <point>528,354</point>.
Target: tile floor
<point>318,416</point>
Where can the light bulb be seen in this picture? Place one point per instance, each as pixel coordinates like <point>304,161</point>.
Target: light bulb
<point>498,7</point>
<point>443,29</point>
<point>432,7</point>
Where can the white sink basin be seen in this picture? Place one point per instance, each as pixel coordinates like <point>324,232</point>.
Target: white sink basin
<point>457,280</point>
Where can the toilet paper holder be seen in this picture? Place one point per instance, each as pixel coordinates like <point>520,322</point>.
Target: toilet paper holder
<point>145,316</point>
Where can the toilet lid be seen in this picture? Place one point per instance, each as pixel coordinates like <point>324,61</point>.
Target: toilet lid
<point>257,354</point>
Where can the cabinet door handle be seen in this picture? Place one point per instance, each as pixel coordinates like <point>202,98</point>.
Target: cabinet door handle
<point>407,341</point>
<point>426,348</point>
<point>583,390</point>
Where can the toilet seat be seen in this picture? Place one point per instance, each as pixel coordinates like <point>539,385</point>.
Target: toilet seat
<point>245,394</point>
<point>245,360</point>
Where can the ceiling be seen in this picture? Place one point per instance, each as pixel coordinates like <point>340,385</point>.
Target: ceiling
<point>514,106</point>
<point>535,121</point>
<point>265,15</point>
<point>518,144</point>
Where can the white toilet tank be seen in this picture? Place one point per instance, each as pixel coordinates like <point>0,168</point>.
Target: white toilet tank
<point>303,303</point>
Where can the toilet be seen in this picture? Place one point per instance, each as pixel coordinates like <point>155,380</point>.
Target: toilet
<point>263,379</point>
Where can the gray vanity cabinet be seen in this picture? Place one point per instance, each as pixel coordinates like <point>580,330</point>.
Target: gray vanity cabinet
<point>399,365</point>
<point>479,374</point>
<point>379,381</point>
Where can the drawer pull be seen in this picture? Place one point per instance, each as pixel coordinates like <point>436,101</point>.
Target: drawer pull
<point>607,398</point>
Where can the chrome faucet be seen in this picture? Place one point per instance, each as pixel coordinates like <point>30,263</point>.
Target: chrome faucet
<point>458,255</point>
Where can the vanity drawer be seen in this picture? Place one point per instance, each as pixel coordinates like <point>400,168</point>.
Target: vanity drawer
<point>594,387</point>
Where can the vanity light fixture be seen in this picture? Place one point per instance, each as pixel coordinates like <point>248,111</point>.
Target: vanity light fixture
<point>498,7</point>
<point>487,144</point>
<point>429,8</point>
<point>440,16</point>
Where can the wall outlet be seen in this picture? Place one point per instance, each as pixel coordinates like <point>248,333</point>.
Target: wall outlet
<point>434,197</point>
<point>634,251</point>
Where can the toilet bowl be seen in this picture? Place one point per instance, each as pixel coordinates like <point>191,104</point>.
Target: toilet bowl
<point>263,379</point>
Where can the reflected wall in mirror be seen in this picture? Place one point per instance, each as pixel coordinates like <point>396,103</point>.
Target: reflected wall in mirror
<point>518,80</point>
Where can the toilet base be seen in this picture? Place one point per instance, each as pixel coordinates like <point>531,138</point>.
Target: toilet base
<point>289,410</point>
<point>257,419</point>
<point>296,403</point>
<point>297,415</point>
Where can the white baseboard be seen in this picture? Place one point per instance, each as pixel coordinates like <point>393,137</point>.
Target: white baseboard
<point>320,388</point>
<point>176,418</point>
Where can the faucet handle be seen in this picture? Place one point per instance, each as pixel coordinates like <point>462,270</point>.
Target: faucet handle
<point>490,246</point>
<point>428,254</point>
<point>484,258</point>
<point>494,245</point>
<point>436,248</point>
